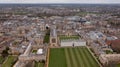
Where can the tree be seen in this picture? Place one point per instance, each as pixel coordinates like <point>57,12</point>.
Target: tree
<point>7,48</point>
<point>5,52</point>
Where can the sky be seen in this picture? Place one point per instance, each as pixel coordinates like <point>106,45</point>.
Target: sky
<point>60,1</point>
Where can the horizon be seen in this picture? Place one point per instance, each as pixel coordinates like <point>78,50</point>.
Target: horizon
<point>60,1</point>
<point>65,3</point>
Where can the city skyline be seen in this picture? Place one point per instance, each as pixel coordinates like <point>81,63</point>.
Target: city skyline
<point>69,33</point>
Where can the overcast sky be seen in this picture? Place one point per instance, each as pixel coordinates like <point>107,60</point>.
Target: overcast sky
<point>60,1</point>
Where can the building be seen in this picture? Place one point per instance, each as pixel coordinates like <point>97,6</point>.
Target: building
<point>95,35</point>
<point>53,36</point>
<point>107,59</point>
<point>72,43</point>
<point>114,44</point>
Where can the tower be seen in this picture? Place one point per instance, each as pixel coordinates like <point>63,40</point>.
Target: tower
<point>53,36</point>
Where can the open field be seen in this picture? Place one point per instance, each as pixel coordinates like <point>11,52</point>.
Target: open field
<point>68,37</point>
<point>39,64</point>
<point>71,57</point>
<point>9,61</point>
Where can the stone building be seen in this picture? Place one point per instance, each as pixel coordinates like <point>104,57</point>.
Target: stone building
<point>53,36</point>
<point>106,59</point>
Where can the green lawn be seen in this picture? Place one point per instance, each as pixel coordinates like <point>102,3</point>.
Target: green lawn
<point>9,61</point>
<point>46,38</point>
<point>39,64</point>
<point>57,58</point>
<point>118,65</point>
<point>34,51</point>
<point>1,59</point>
<point>71,57</point>
<point>68,37</point>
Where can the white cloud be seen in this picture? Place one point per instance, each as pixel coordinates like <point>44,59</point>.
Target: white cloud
<point>59,1</point>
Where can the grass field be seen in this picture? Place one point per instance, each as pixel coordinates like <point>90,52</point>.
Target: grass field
<point>1,59</point>
<point>57,58</point>
<point>118,65</point>
<point>39,64</point>
<point>34,51</point>
<point>46,39</point>
<point>9,61</point>
<point>71,57</point>
<point>68,37</point>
